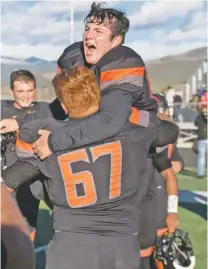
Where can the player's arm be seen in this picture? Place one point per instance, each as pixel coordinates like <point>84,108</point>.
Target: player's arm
<point>177,161</point>
<point>115,109</point>
<point>13,125</point>
<point>18,248</point>
<point>164,166</point>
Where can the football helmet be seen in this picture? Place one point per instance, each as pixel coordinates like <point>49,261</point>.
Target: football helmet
<point>161,101</point>
<point>6,139</point>
<point>174,251</point>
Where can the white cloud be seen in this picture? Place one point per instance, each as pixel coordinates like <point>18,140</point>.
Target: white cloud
<point>198,20</point>
<point>55,7</point>
<point>152,50</point>
<point>195,29</point>
<point>43,51</point>
<point>47,23</point>
<point>41,21</point>
<point>180,35</point>
<point>161,11</point>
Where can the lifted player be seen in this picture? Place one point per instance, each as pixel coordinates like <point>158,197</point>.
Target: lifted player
<point>123,79</point>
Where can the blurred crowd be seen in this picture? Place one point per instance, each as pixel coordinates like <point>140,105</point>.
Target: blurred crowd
<point>179,109</point>
<point>196,113</point>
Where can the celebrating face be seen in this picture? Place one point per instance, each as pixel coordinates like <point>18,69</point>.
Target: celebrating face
<point>98,41</point>
<point>23,93</point>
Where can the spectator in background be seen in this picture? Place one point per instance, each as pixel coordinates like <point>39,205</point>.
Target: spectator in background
<point>177,101</point>
<point>169,97</point>
<point>196,97</point>
<point>202,143</point>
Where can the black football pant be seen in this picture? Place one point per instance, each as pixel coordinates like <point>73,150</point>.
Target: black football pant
<point>22,172</point>
<point>148,230</point>
<point>29,206</point>
<point>89,251</point>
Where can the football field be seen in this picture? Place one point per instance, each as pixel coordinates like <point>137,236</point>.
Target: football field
<point>192,212</point>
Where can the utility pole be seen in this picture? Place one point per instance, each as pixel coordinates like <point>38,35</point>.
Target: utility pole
<point>72,22</point>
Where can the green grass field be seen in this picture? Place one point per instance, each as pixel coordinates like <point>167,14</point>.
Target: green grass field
<point>193,219</point>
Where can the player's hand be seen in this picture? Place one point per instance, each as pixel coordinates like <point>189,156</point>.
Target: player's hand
<point>172,222</point>
<point>40,146</point>
<point>8,125</point>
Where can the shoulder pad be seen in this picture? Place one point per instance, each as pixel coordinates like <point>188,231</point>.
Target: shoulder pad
<point>139,117</point>
<point>119,58</point>
<point>72,55</point>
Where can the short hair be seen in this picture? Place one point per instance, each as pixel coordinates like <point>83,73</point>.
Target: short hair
<point>77,89</point>
<point>21,75</point>
<point>119,24</point>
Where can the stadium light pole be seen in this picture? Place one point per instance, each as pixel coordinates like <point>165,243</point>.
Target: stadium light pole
<point>72,22</point>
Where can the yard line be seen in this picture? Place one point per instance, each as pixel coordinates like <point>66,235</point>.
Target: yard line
<point>42,248</point>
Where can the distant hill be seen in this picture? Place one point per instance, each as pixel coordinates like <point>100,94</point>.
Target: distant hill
<point>174,70</point>
<point>39,67</point>
<point>171,70</point>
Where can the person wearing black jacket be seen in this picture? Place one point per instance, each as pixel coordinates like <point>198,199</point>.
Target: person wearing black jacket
<point>202,143</point>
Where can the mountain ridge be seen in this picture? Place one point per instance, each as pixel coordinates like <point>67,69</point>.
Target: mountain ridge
<point>167,70</point>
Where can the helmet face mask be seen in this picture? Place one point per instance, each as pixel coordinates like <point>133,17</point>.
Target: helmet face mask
<point>174,251</point>
<point>5,139</point>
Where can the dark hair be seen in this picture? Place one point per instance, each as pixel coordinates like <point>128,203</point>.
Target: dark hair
<point>108,16</point>
<point>21,75</point>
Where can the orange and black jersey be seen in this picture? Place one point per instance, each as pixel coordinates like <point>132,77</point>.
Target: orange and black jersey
<point>123,80</point>
<point>95,188</point>
<point>9,111</point>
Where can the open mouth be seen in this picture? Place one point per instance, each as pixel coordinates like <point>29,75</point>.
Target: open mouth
<point>89,48</point>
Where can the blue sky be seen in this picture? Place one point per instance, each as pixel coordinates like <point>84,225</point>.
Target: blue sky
<point>157,28</point>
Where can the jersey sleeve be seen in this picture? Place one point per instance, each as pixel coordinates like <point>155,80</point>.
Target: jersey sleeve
<point>161,161</point>
<point>115,109</point>
<point>126,73</point>
<point>29,131</point>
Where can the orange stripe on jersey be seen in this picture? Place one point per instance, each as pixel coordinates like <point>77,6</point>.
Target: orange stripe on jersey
<point>135,116</point>
<point>120,73</point>
<point>147,252</point>
<point>170,151</point>
<point>23,145</point>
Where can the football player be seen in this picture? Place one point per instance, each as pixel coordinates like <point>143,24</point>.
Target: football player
<point>165,218</point>
<point>159,206</point>
<point>94,189</point>
<point>23,91</point>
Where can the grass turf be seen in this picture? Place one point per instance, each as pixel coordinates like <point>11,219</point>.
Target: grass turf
<point>192,219</point>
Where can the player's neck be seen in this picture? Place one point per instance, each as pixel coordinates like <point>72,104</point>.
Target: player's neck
<point>92,110</point>
<point>19,107</point>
